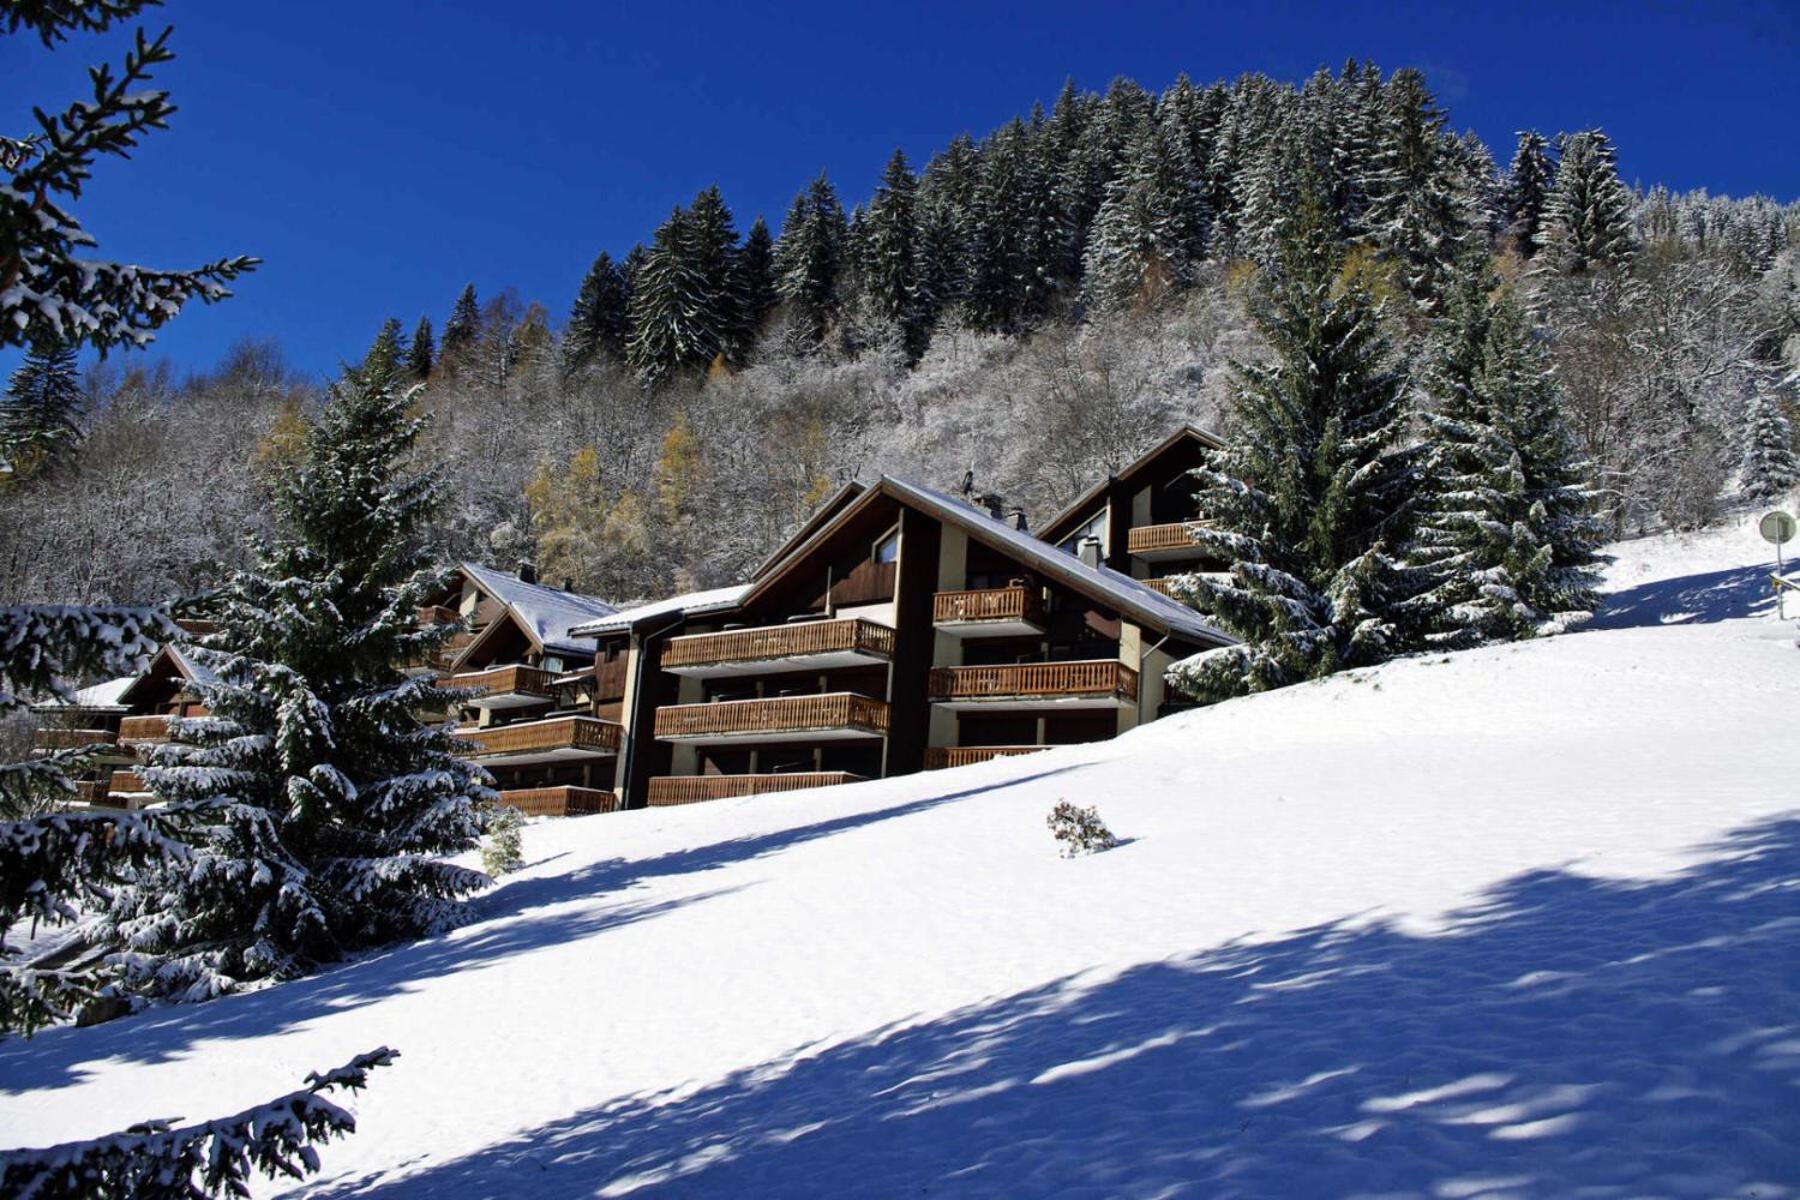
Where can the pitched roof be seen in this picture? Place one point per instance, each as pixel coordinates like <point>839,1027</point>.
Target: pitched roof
<point>548,614</point>
<point>690,603</point>
<point>1128,595</point>
<point>1140,463</point>
<point>99,697</point>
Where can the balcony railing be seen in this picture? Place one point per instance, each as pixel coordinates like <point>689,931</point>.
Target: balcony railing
<point>692,789</point>
<point>1008,606</point>
<point>71,739</point>
<point>144,731</point>
<point>560,801</point>
<point>125,783</point>
<point>505,687</point>
<point>826,643</point>
<point>437,614</point>
<point>1163,541</point>
<point>939,757</point>
<point>1101,679</point>
<point>843,714</point>
<point>557,737</point>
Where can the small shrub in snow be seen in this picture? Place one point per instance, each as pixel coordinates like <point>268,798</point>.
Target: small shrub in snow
<point>501,853</point>
<point>1079,830</point>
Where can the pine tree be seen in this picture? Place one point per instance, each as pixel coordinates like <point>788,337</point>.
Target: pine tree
<point>685,307</point>
<point>1143,240</point>
<point>1413,214</point>
<point>598,320</point>
<point>1587,222</point>
<point>947,222</point>
<point>337,805</point>
<point>891,257</point>
<point>38,420</point>
<point>1011,252</point>
<point>421,353</point>
<point>755,284</point>
<point>1508,527</point>
<point>1771,467</point>
<point>463,331</point>
<point>49,296</point>
<point>1311,502</point>
<point>809,257</point>
<point>719,317</point>
<point>1529,183</point>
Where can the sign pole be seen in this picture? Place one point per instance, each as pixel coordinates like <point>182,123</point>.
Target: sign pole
<point>1777,527</point>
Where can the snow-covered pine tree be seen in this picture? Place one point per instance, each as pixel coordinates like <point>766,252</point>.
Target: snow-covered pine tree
<point>38,418</point>
<point>890,268</point>
<point>664,290</point>
<point>1011,249</point>
<point>158,1160</point>
<point>1142,240</point>
<point>598,319</point>
<point>809,257</point>
<point>337,803</point>
<point>1413,213</point>
<point>1771,468</point>
<point>1508,527</point>
<point>1587,221</point>
<point>462,332</point>
<point>719,319</point>
<point>1313,499</point>
<point>421,352</point>
<point>1529,182</point>
<point>48,296</point>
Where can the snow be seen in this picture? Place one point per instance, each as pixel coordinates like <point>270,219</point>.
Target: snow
<point>691,603</point>
<point>100,697</point>
<point>1515,922</point>
<point>550,613</point>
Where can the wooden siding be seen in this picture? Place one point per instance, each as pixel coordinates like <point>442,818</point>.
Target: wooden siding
<point>779,641</point>
<point>786,714</point>
<point>989,604</point>
<point>692,789</point>
<point>559,801</point>
<point>531,737</point>
<point>1105,677</point>
<point>70,739</point>
<point>939,757</point>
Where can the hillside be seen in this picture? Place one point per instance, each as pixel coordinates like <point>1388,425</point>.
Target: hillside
<point>1518,922</point>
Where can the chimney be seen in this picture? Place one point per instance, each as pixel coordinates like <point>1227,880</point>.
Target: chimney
<point>527,571</point>
<point>568,583</point>
<point>1020,522</point>
<point>1089,551</point>
<point>995,505</point>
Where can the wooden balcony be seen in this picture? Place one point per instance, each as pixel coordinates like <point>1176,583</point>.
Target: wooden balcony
<point>1097,683</point>
<point>939,757</point>
<point>560,801</point>
<point>990,612</point>
<point>103,741</point>
<point>123,785</point>
<point>137,732</point>
<point>806,645</point>
<point>692,789</point>
<point>505,687</point>
<point>833,717</point>
<point>437,614</point>
<point>1159,585</point>
<point>1163,543</point>
<point>551,740</point>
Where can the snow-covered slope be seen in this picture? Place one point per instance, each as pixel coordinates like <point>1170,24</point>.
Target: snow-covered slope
<point>1516,922</point>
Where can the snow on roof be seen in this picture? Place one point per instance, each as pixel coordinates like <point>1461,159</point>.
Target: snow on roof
<point>1129,595</point>
<point>97,697</point>
<point>550,613</point>
<point>690,603</point>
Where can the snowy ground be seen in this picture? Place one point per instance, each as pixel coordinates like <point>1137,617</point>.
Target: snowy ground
<point>1518,922</point>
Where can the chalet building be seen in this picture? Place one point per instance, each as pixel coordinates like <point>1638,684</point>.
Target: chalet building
<point>899,629</point>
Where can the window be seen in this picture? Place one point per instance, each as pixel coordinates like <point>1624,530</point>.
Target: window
<point>887,550</point>
<point>1095,528</point>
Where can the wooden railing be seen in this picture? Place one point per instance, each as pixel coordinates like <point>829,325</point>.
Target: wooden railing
<point>143,731</point>
<point>939,757</point>
<point>560,801</point>
<point>70,739</point>
<point>437,614</point>
<point>785,714</point>
<point>589,734</point>
<point>122,783</point>
<point>989,604</point>
<point>1154,539</point>
<point>504,681</point>
<point>1159,585</point>
<point>1105,677</point>
<point>779,641</point>
<point>692,789</point>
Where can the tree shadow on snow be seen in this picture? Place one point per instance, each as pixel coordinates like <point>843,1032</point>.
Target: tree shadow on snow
<point>1566,1035</point>
<point>1689,600</point>
<point>502,924</point>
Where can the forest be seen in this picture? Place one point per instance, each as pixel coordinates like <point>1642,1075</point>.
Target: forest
<point>1037,305</point>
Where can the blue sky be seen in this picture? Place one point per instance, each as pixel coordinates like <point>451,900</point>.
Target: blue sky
<point>380,155</point>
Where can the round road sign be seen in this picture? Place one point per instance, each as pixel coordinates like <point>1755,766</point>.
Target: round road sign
<point>1777,527</point>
